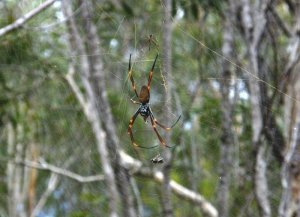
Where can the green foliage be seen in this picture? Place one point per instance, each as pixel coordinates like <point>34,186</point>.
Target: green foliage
<point>80,213</point>
<point>90,198</point>
<point>208,186</point>
<point>210,120</point>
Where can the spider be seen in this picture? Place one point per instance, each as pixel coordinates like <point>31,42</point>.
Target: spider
<point>144,108</point>
<point>151,40</point>
<point>157,159</point>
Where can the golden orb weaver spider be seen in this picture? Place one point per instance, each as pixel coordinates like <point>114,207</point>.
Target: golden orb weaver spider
<point>144,109</point>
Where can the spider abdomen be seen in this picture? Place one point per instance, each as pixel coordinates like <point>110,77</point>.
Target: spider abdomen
<point>144,96</point>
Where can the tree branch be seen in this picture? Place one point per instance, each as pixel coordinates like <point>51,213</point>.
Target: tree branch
<point>43,165</point>
<point>22,20</point>
<point>79,95</point>
<point>135,167</point>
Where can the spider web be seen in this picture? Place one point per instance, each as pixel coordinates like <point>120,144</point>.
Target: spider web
<point>195,125</point>
<point>195,153</point>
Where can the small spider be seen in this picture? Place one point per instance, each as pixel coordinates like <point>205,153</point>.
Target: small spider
<point>151,40</point>
<point>157,159</point>
<point>144,109</point>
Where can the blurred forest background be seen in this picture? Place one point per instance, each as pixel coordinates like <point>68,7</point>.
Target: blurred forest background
<point>229,68</point>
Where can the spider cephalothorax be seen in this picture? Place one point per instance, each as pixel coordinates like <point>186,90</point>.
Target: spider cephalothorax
<point>144,110</point>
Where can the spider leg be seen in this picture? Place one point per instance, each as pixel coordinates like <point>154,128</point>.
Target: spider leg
<point>161,125</point>
<point>131,122</point>
<point>151,73</point>
<point>135,102</point>
<point>131,77</point>
<point>157,134</point>
<point>154,122</point>
<point>150,40</point>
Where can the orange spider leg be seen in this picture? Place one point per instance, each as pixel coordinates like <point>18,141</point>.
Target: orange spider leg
<point>154,122</point>
<point>151,73</point>
<point>131,77</point>
<point>132,119</point>
<point>135,102</point>
<point>131,122</point>
<point>155,130</point>
<point>163,126</point>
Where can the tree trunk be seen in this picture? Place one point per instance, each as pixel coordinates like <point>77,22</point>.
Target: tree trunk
<point>254,29</point>
<point>97,80</point>
<point>167,67</point>
<point>290,178</point>
<point>10,170</point>
<point>16,174</point>
<point>89,104</point>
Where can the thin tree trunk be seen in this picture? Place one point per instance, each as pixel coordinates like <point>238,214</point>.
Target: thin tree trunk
<point>16,173</point>
<point>33,174</point>
<point>254,28</point>
<point>290,178</point>
<point>167,67</point>
<point>227,139</point>
<point>97,80</point>
<point>89,104</point>
<point>10,169</point>
<point>290,73</point>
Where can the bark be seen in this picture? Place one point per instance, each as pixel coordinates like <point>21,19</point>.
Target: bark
<point>33,174</point>
<point>89,104</point>
<point>227,139</point>
<point>290,179</point>
<point>166,67</point>
<point>291,79</point>
<point>10,169</point>
<point>254,23</point>
<point>16,174</point>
